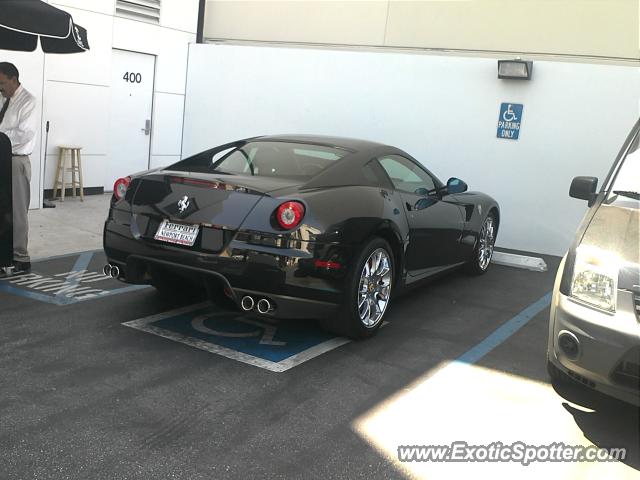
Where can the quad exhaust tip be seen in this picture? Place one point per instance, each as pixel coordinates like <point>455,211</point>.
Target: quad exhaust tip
<point>111,270</point>
<point>264,306</point>
<point>247,303</point>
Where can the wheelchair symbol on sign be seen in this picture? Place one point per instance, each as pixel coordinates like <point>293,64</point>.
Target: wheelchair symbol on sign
<point>265,331</point>
<point>509,115</point>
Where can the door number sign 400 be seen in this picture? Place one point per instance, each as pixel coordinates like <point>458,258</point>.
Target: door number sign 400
<point>132,77</point>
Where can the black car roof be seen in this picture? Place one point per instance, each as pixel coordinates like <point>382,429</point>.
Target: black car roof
<point>354,144</point>
<point>349,170</point>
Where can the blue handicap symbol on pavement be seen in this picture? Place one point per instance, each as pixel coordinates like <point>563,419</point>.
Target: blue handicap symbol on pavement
<point>267,343</point>
<point>65,280</point>
<point>510,121</point>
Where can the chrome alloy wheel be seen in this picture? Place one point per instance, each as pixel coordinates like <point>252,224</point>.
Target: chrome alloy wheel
<point>487,239</point>
<point>375,288</point>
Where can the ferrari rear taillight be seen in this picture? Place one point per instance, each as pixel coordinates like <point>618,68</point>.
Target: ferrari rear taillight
<point>120,187</point>
<point>289,214</point>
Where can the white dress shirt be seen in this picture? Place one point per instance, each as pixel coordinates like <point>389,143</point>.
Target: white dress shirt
<point>20,122</point>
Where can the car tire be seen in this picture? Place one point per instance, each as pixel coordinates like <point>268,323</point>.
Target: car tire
<point>483,251</point>
<point>366,290</point>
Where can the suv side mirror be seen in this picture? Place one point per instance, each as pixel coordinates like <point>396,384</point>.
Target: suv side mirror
<point>455,185</point>
<point>584,188</point>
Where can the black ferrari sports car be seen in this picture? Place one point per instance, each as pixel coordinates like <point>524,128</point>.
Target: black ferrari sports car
<point>297,226</point>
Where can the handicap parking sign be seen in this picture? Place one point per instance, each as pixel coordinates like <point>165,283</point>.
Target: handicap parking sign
<point>510,120</point>
<point>263,342</point>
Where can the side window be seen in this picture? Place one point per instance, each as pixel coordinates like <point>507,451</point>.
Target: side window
<point>406,175</point>
<point>235,160</point>
<point>370,174</point>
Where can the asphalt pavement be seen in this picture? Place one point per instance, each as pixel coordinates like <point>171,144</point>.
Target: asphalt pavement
<point>83,395</point>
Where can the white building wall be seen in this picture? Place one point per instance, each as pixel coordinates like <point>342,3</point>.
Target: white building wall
<point>441,109</point>
<point>171,49</point>
<point>76,97</point>
<point>74,90</point>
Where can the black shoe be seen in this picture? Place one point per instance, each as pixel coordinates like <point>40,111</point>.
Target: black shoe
<point>21,267</point>
<point>17,268</point>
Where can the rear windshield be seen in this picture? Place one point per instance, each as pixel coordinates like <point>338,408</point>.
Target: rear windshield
<point>276,159</point>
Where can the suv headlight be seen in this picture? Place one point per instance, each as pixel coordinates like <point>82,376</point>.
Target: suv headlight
<point>595,277</point>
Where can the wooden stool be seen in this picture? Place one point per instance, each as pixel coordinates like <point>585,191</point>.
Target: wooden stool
<point>75,168</point>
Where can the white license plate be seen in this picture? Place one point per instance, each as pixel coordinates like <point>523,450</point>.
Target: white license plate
<point>177,233</point>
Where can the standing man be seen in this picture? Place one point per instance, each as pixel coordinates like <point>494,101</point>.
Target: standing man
<point>18,120</point>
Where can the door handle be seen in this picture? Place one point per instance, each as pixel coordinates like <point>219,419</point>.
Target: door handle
<point>147,127</point>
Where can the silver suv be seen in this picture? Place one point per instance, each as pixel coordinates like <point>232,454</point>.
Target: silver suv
<point>594,326</point>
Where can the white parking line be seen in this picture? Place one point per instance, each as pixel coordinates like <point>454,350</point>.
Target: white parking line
<point>535,264</point>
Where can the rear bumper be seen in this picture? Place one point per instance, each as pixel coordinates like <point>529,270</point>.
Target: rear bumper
<point>285,276</point>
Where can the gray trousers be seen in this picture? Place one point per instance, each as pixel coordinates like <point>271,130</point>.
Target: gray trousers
<point>20,181</point>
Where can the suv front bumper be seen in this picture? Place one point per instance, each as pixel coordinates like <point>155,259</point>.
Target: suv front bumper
<point>607,355</point>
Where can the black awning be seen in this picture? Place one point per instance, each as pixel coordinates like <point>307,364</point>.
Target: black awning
<point>22,22</point>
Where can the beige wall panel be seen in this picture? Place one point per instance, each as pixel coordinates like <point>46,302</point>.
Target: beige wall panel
<point>335,22</point>
<point>607,28</point>
<point>595,28</point>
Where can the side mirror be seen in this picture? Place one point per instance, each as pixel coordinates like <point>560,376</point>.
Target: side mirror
<point>455,185</point>
<point>584,188</point>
